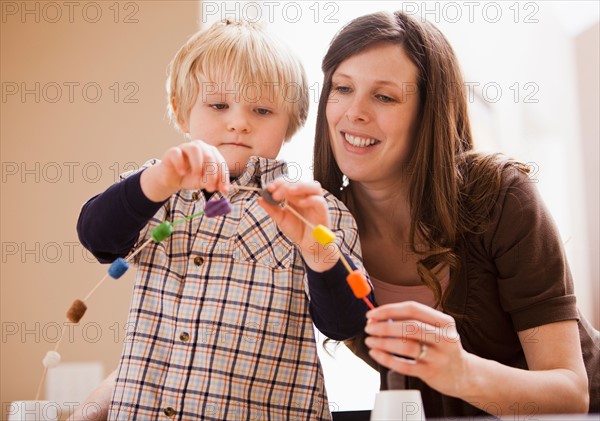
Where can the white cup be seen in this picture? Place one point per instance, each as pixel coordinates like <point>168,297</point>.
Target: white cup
<point>398,405</point>
<point>33,411</point>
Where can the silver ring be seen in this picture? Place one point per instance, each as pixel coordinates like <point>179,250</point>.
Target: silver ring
<point>423,352</point>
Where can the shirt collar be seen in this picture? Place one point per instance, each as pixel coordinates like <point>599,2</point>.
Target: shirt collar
<point>261,171</point>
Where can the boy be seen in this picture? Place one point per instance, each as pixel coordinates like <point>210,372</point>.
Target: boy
<point>220,319</point>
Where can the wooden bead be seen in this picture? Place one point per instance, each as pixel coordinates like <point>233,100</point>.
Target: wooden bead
<point>76,311</point>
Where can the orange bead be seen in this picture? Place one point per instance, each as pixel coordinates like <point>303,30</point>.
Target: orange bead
<point>358,283</point>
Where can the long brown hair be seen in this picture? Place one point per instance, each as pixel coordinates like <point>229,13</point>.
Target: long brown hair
<point>451,186</point>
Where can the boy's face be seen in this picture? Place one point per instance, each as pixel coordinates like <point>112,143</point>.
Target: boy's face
<point>241,121</point>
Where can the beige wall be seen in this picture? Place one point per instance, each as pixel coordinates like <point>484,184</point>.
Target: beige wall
<point>61,143</point>
<point>588,68</point>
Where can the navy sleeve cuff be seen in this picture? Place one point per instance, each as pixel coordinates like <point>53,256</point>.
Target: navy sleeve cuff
<point>135,200</point>
<point>109,223</point>
<point>335,311</point>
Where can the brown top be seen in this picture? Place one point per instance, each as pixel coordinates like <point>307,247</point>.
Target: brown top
<point>514,277</point>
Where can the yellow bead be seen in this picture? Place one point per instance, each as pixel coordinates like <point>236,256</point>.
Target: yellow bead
<point>323,235</point>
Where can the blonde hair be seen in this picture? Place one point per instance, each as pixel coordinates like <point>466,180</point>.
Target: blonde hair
<point>242,53</point>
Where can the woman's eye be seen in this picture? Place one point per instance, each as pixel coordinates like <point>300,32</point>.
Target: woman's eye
<point>219,106</point>
<point>263,111</point>
<point>384,98</point>
<point>342,89</point>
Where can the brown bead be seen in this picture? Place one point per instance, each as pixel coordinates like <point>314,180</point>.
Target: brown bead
<point>76,311</point>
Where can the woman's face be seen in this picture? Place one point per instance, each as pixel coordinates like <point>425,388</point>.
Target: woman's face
<point>372,112</point>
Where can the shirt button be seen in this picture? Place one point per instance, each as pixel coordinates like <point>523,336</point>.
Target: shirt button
<point>184,336</point>
<point>198,260</point>
<point>169,412</point>
<point>195,196</point>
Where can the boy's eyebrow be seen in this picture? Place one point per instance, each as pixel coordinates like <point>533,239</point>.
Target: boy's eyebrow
<point>223,97</point>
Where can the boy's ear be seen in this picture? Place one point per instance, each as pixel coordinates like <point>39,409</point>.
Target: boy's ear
<point>180,121</point>
<point>183,126</point>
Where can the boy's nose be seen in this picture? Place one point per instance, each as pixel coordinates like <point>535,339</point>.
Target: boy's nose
<point>238,123</point>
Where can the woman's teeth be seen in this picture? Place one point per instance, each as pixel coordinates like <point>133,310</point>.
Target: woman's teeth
<point>360,142</point>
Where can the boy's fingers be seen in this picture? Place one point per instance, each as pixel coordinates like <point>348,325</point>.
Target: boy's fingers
<point>281,189</point>
<point>211,171</point>
<point>275,212</point>
<point>175,159</point>
<point>317,206</point>
<point>194,154</point>
<point>223,183</point>
<point>313,201</point>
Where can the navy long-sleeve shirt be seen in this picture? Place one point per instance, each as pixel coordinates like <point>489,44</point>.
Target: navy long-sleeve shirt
<point>109,225</point>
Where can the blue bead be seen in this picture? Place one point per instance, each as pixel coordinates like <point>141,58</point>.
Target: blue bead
<point>118,268</point>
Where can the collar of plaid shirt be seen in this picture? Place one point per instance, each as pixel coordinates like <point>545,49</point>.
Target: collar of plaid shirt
<point>261,171</point>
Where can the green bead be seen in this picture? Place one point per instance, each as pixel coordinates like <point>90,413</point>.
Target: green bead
<point>162,231</point>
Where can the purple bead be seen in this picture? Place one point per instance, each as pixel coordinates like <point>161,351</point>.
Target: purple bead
<point>118,268</point>
<point>217,207</point>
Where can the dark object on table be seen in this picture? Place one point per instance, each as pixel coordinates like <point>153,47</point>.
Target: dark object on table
<point>351,416</point>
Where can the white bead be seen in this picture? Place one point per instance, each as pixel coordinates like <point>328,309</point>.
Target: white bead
<point>52,359</point>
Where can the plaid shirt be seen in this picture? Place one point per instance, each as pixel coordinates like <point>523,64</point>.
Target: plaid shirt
<point>219,324</point>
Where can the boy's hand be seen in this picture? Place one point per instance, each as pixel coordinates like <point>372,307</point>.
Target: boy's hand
<point>308,200</point>
<point>189,166</point>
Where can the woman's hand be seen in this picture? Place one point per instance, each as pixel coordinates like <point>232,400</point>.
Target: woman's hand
<point>416,340</point>
<point>307,199</point>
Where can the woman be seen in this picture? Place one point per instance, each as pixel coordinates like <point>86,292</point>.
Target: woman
<point>466,262</point>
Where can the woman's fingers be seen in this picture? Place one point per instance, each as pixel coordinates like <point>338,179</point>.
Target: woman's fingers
<point>413,321</point>
<point>399,347</point>
<point>416,340</point>
<point>398,364</point>
<point>411,310</point>
<point>405,330</point>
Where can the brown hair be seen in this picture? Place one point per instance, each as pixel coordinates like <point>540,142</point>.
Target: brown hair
<point>451,187</point>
